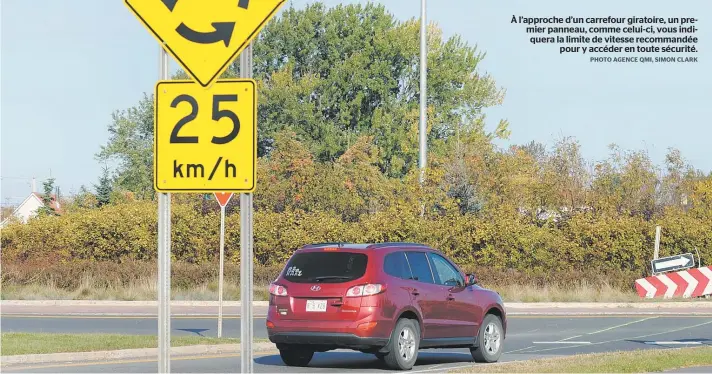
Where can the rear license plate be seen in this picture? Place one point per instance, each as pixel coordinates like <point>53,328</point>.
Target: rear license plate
<point>316,305</point>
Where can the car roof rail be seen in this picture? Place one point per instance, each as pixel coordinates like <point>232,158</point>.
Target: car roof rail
<point>396,244</point>
<point>339,244</point>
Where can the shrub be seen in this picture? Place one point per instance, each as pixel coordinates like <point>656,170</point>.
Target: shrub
<point>497,239</point>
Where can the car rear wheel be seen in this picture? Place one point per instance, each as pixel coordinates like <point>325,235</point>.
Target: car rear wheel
<point>296,356</point>
<point>490,340</point>
<point>403,346</point>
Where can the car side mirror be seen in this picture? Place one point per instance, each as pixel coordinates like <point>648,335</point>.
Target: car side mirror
<point>471,280</point>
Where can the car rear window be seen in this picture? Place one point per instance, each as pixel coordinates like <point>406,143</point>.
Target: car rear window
<point>325,267</point>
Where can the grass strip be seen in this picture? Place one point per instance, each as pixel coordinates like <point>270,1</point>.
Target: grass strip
<point>637,361</point>
<point>145,290</point>
<point>16,343</point>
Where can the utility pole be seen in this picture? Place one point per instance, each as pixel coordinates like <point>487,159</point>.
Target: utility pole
<point>423,91</point>
<point>422,159</point>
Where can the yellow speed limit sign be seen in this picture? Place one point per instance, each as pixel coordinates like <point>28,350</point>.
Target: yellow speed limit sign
<point>205,139</point>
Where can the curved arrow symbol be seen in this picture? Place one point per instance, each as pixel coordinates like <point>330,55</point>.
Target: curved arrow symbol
<point>170,4</point>
<point>223,31</point>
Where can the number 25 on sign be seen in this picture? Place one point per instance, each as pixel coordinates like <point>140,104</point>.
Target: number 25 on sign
<point>205,139</point>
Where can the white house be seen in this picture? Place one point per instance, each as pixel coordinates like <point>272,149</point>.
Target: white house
<point>29,207</point>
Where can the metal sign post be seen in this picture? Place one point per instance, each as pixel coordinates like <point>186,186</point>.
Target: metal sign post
<point>222,266</point>
<point>246,250</point>
<point>164,262</point>
<point>657,243</point>
<point>223,199</point>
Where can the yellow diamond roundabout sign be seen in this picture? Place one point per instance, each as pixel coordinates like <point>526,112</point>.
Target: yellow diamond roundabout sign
<point>204,36</point>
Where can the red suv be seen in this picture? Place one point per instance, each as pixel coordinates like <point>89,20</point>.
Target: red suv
<point>387,299</point>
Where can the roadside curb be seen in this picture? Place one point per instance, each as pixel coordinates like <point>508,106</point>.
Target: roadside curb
<point>122,354</point>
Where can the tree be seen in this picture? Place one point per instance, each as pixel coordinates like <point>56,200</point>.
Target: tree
<point>566,169</point>
<point>131,143</point>
<point>677,183</point>
<point>626,183</point>
<point>104,188</point>
<point>336,74</point>
<point>47,209</point>
<point>536,150</point>
<point>85,199</point>
<point>6,212</point>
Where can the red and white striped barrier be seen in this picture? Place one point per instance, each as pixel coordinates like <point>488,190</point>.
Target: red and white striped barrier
<point>692,282</point>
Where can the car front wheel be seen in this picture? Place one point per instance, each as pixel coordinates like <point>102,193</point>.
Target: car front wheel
<point>489,340</point>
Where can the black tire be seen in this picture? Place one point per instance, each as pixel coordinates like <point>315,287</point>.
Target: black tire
<point>489,351</point>
<point>296,356</point>
<point>411,332</point>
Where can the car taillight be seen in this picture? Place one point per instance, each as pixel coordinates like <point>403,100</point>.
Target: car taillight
<point>365,290</point>
<point>277,290</point>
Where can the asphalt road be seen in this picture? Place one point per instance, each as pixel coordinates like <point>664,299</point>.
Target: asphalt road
<point>529,337</point>
<point>205,326</point>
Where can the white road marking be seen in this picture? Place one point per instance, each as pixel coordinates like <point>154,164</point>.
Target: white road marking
<point>608,328</point>
<point>628,338</point>
<point>562,342</point>
<point>433,368</point>
<point>440,369</point>
<point>673,343</point>
<point>465,366</point>
<point>518,350</point>
<point>621,325</point>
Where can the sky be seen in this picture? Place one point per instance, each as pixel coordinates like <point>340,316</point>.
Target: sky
<point>63,75</point>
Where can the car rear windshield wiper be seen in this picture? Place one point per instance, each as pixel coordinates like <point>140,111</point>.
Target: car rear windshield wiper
<point>329,277</point>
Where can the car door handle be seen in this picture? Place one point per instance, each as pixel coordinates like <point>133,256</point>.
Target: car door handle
<point>415,292</point>
<point>450,298</point>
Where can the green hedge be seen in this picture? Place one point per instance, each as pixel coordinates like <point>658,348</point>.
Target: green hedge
<point>495,239</point>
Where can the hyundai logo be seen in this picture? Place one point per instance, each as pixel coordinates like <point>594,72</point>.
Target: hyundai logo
<point>315,288</point>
